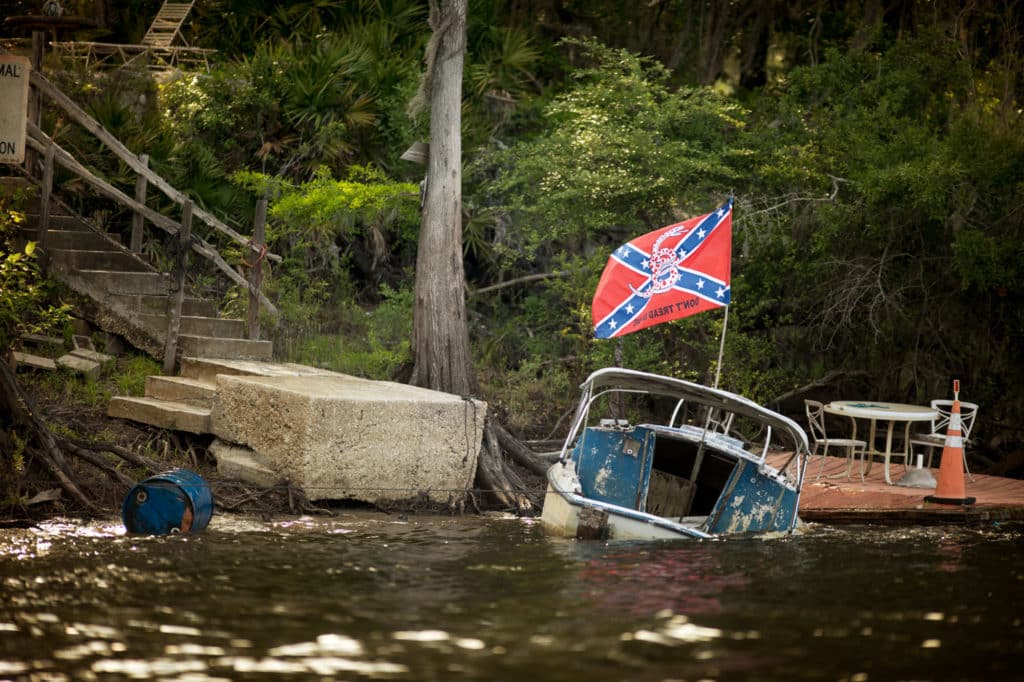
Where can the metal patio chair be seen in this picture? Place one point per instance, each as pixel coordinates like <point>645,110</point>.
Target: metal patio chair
<point>936,438</point>
<point>819,435</point>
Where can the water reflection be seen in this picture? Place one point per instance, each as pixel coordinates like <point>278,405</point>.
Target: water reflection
<point>689,580</point>
<point>365,596</point>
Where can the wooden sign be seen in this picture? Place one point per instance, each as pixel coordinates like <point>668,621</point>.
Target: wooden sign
<point>14,73</point>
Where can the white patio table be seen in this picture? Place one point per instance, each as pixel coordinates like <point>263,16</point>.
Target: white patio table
<point>876,411</point>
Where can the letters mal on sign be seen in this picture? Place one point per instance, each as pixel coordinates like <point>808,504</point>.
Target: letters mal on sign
<point>14,76</point>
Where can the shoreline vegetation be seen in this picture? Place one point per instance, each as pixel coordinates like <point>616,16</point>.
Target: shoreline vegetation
<point>876,159</point>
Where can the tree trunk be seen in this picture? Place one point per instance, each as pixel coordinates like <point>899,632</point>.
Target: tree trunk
<point>440,336</point>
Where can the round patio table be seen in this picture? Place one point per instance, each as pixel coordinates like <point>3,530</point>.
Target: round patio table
<point>876,411</point>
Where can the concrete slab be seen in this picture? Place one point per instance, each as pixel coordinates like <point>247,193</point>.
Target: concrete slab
<point>83,366</point>
<point>102,359</point>
<point>342,437</point>
<point>242,464</point>
<point>34,361</point>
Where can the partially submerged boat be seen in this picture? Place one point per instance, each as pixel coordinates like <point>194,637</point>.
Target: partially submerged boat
<point>699,471</point>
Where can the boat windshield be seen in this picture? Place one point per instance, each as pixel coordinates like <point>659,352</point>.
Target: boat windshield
<point>616,397</point>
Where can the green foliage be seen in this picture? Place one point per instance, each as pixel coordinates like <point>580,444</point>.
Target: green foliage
<point>621,154</point>
<point>322,225</point>
<point>340,240</point>
<point>131,376</point>
<point>330,98</point>
<point>375,344</point>
<point>25,306</point>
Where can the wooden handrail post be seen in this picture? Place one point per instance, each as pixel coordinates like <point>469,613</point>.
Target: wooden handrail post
<point>140,196</point>
<point>44,203</point>
<point>177,296</point>
<point>35,98</point>
<point>256,268</point>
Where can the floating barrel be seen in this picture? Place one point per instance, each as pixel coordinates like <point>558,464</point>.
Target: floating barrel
<point>176,501</point>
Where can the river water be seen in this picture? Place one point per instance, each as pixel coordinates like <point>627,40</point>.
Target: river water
<point>370,596</point>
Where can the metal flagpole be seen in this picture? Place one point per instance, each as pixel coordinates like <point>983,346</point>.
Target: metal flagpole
<point>721,347</point>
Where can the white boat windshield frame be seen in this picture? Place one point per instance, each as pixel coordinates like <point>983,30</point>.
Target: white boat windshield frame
<point>620,380</point>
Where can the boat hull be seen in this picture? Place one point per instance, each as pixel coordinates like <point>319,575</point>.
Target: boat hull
<point>687,476</point>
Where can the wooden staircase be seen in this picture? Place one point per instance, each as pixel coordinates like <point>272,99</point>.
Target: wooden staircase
<point>120,293</point>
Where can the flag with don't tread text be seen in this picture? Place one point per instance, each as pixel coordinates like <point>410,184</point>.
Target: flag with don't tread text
<point>670,273</point>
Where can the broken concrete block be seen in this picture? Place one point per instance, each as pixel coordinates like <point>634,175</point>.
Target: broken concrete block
<point>242,464</point>
<point>83,366</point>
<point>105,361</point>
<point>81,341</point>
<point>34,361</point>
<point>341,437</point>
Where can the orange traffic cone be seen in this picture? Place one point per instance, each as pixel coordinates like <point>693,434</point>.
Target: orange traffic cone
<point>950,486</point>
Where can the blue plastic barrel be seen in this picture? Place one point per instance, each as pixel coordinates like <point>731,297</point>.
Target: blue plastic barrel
<point>176,501</point>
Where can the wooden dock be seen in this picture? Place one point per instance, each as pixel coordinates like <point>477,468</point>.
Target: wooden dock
<point>833,498</point>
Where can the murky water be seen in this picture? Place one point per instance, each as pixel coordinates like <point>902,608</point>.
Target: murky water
<point>366,596</point>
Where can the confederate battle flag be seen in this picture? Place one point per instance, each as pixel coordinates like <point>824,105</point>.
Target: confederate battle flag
<point>674,272</point>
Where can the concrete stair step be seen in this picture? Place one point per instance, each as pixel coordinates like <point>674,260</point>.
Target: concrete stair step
<point>10,185</point>
<point>82,365</point>
<point>207,368</point>
<point>212,347</point>
<point>219,327</point>
<point>157,305</point>
<point>71,240</point>
<point>77,259</point>
<point>181,389</point>
<point>114,282</point>
<point>58,223</point>
<point>165,414</point>
<point>105,362</point>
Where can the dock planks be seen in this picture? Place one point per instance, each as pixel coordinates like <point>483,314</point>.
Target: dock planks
<point>835,499</point>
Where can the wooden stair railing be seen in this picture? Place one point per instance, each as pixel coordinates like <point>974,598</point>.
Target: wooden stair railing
<point>184,239</point>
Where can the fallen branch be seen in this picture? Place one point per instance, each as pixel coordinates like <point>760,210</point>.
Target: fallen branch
<point>97,461</point>
<point>151,466</point>
<point>521,455</point>
<point>518,280</point>
<point>45,448</point>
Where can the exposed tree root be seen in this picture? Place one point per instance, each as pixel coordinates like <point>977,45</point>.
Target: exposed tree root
<point>498,477</point>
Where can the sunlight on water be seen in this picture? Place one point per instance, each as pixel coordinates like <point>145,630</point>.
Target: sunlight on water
<point>371,596</point>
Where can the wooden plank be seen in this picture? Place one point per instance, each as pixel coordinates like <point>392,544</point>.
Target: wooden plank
<point>834,498</point>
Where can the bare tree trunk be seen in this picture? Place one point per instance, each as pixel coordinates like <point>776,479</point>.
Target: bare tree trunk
<point>440,336</point>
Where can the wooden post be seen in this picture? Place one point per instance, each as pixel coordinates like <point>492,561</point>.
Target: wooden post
<point>35,97</point>
<point>140,196</point>
<point>44,203</point>
<point>177,296</point>
<point>256,268</point>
